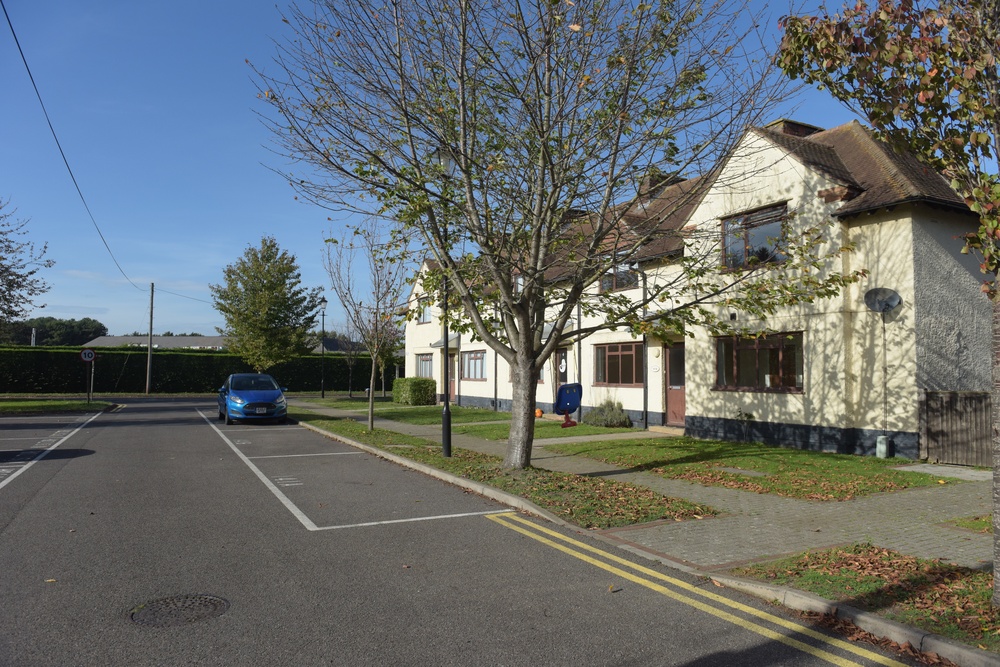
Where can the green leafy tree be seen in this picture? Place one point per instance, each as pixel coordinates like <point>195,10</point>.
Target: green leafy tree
<point>926,77</point>
<point>268,313</point>
<point>20,263</point>
<point>53,331</point>
<point>482,130</point>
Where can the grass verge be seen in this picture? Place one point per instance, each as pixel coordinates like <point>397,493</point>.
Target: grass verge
<point>977,524</point>
<point>24,406</point>
<point>543,429</point>
<point>431,414</point>
<point>585,501</point>
<point>345,402</point>
<point>937,597</point>
<point>756,467</point>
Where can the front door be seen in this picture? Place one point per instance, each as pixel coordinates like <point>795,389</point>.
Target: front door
<point>673,355</point>
<point>562,365</point>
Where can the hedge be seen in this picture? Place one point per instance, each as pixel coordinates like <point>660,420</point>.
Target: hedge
<point>46,370</point>
<point>414,391</point>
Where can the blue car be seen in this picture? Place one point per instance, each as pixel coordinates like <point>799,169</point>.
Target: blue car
<point>251,397</point>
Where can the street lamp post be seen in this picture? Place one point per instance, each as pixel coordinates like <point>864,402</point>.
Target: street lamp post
<point>447,162</point>
<point>446,411</point>
<point>322,348</point>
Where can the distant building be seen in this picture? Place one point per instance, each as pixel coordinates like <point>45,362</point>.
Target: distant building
<point>162,342</point>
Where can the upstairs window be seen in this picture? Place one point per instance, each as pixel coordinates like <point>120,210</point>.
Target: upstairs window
<point>620,277</point>
<point>425,312</point>
<point>768,363</point>
<point>754,238</point>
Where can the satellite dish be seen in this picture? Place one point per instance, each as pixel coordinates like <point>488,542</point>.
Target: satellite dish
<point>882,299</point>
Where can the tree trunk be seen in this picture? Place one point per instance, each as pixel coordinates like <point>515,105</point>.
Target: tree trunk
<point>371,400</point>
<point>995,418</point>
<point>524,384</point>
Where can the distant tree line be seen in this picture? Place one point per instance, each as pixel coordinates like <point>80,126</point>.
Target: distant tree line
<point>165,333</point>
<point>50,331</point>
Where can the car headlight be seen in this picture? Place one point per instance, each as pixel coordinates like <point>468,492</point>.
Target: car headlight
<point>280,402</point>
<point>238,400</point>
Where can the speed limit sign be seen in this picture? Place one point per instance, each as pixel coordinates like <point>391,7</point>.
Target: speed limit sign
<point>87,355</point>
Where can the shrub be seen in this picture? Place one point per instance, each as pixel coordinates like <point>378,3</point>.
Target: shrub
<point>414,391</point>
<point>608,414</point>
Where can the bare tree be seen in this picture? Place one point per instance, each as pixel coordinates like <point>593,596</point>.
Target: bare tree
<point>373,308</point>
<point>517,141</point>
<point>347,343</point>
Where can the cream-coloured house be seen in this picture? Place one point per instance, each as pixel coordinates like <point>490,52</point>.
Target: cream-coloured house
<point>831,375</point>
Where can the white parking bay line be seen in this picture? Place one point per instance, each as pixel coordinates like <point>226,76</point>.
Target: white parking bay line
<point>292,456</point>
<point>300,515</point>
<point>416,518</point>
<point>289,505</point>
<point>44,452</point>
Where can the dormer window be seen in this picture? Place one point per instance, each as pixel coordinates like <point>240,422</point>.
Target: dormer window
<point>620,277</point>
<point>754,238</point>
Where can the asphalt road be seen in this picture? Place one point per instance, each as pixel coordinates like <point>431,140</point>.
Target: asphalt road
<point>155,535</point>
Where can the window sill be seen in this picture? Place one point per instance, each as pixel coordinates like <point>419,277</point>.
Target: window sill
<point>762,390</point>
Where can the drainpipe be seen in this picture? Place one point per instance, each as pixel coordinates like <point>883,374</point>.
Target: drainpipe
<point>645,353</point>
<point>579,359</point>
<point>496,375</point>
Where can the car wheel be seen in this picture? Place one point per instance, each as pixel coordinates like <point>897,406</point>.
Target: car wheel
<point>221,416</point>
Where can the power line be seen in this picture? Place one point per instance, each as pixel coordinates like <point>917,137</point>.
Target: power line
<point>59,145</point>
<point>70,170</point>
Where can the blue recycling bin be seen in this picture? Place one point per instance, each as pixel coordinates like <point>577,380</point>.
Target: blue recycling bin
<point>568,401</point>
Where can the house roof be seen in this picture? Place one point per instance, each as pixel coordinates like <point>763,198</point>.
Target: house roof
<point>880,176</point>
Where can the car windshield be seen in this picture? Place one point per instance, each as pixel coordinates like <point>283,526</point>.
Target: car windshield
<point>254,383</point>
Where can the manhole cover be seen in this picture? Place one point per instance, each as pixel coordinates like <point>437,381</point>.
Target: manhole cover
<point>178,610</point>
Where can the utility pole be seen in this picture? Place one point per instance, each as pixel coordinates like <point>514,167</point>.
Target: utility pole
<point>149,342</point>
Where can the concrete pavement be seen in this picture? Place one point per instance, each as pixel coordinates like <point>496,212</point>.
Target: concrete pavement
<point>755,527</point>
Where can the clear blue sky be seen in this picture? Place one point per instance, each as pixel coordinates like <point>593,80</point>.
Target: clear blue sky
<point>154,106</point>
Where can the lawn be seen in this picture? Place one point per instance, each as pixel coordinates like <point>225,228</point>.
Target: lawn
<point>341,401</point>
<point>937,597</point>
<point>585,501</point>
<point>410,414</point>
<point>755,467</point>
<point>543,429</point>
<point>21,406</point>
<point>431,414</point>
<point>977,524</point>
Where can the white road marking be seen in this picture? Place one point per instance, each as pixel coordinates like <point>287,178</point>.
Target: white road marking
<point>289,505</point>
<point>418,518</point>
<point>300,515</point>
<point>14,450</point>
<point>292,456</point>
<point>45,452</point>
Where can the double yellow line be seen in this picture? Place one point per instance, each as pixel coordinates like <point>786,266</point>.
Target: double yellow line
<point>682,591</point>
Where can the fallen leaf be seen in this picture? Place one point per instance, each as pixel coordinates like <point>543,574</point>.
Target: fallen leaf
<point>50,581</point>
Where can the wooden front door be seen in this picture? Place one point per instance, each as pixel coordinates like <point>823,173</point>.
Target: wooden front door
<point>673,357</point>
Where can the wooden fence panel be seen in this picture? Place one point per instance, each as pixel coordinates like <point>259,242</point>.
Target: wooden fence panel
<point>955,428</point>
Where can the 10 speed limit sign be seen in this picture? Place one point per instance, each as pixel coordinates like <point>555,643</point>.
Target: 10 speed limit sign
<point>87,355</point>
